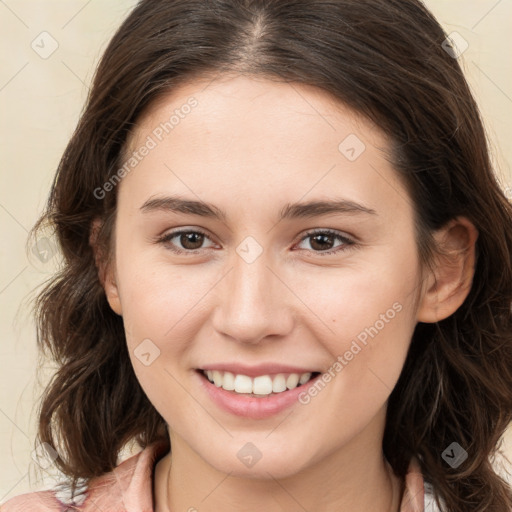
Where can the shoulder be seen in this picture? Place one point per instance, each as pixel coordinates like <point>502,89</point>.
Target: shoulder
<point>42,501</point>
<point>57,499</point>
<point>129,486</point>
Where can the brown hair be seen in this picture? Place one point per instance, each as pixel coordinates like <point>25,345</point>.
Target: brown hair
<point>383,58</point>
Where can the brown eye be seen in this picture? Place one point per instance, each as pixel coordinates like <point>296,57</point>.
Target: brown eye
<point>323,242</point>
<point>191,240</point>
<point>184,240</point>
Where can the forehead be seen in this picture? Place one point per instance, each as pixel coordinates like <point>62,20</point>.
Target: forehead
<point>251,136</point>
<point>261,105</point>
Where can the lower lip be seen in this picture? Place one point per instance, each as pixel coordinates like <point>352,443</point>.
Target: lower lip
<point>250,406</point>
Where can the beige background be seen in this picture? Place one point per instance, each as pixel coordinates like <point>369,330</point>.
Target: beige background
<point>40,101</point>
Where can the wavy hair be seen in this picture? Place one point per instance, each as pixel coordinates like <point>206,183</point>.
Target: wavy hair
<point>383,58</point>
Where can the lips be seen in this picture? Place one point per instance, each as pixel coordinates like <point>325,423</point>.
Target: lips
<point>250,390</point>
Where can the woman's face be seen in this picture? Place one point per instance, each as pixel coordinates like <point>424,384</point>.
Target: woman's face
<point>298,257</point>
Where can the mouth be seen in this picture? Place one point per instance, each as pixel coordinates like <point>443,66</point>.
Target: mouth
<point>260,386</point>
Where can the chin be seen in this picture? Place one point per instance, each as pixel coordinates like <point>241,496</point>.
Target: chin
<point>244,459</point>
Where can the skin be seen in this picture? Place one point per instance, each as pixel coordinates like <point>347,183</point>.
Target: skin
<point>251,146</point>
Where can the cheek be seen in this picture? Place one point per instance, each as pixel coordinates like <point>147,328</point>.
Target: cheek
<point>373,322</point>
<point>370,300</point>
<point>157,298</point>
<point>161,308</point>
<point>371,312</point>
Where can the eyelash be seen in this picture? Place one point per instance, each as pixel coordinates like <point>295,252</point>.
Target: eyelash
<point>347,242</point>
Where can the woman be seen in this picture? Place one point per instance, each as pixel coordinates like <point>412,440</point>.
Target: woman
<point>287,269</point>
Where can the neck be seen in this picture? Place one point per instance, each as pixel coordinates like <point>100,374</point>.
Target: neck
<point>354,479</point>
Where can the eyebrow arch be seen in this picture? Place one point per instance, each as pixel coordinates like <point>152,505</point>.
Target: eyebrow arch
<point>289,211</point>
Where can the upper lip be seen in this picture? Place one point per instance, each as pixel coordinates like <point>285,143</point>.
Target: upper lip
<point>256,370</point>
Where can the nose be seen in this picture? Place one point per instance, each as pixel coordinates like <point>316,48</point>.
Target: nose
<point>253,302</point>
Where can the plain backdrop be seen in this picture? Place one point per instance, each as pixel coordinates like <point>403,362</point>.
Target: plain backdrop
<point>50,49</point>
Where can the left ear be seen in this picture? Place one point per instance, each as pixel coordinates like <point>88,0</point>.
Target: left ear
<point>449,280</point>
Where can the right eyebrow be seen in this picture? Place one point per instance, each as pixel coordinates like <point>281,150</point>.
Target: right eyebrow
<point>179,205</point>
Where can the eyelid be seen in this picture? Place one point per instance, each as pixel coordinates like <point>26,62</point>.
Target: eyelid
<point>166,237</point>
<point>348,240</point>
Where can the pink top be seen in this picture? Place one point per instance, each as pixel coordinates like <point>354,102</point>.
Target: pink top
<point>129,488</point>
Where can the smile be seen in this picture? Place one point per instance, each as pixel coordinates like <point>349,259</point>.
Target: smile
<point>258,397</point>
<point>260,386</point>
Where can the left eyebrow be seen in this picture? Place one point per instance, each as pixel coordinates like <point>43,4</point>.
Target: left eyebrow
<point>318,208</point>
<point>308,209</point>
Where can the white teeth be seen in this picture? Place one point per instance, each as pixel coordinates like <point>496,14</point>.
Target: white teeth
<point>292,381</point>
<point>279,383</point>
<point>263,385</point>
<point>243,384</point>
<point>217,378</point>
<point>304,378</point>
<point>229,381</point>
